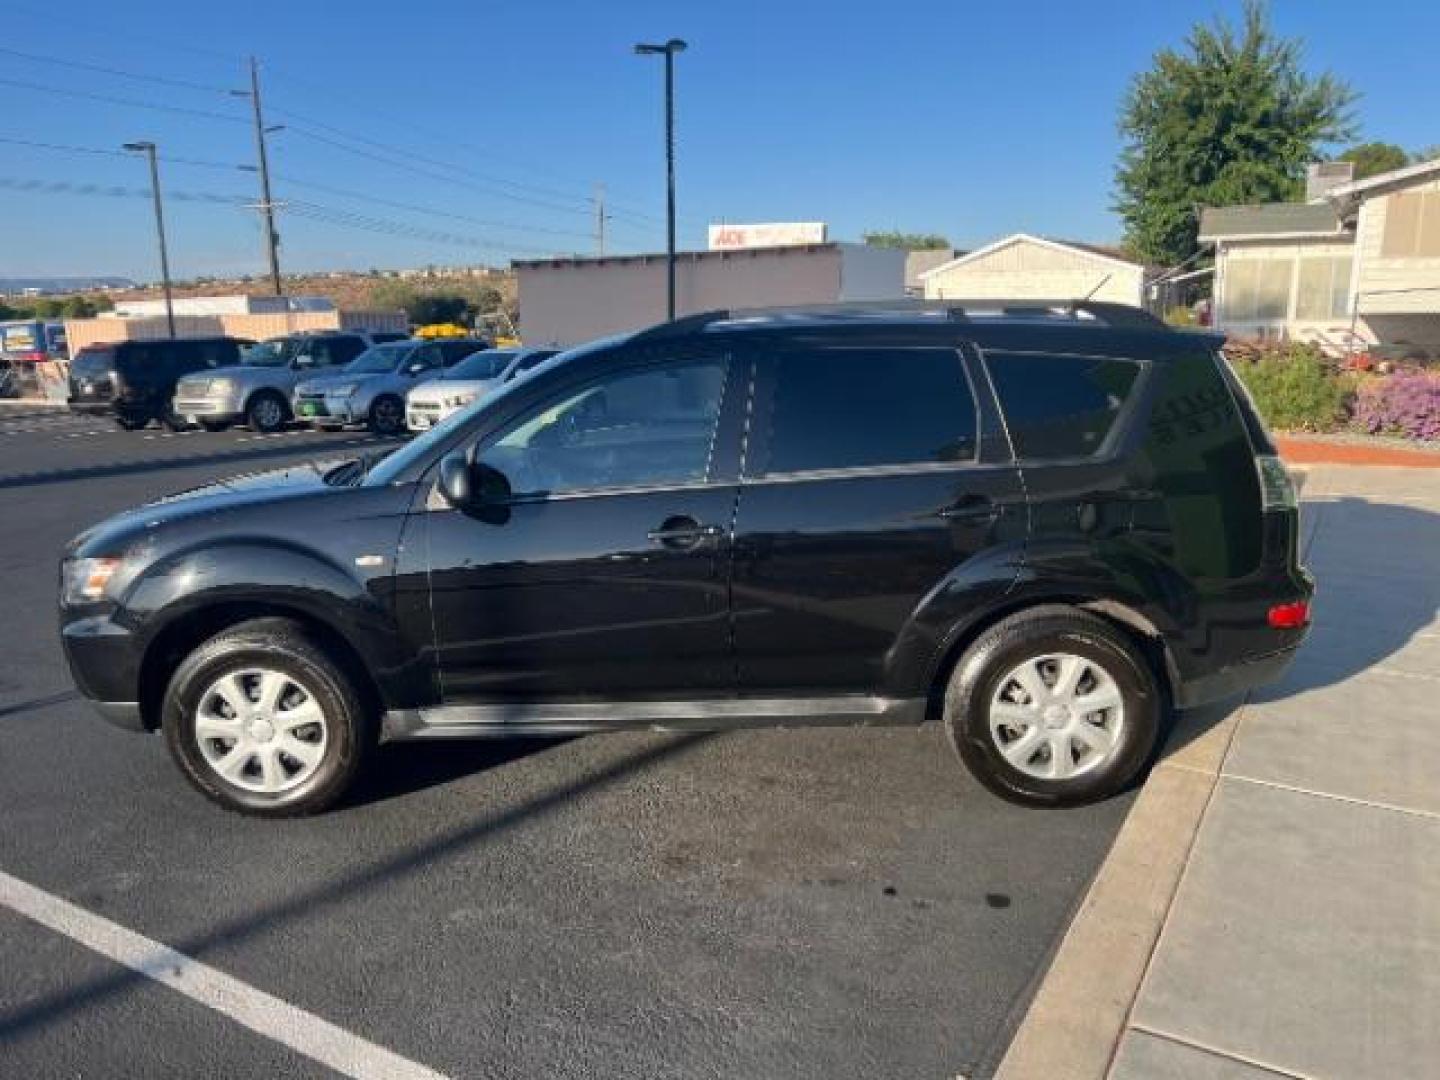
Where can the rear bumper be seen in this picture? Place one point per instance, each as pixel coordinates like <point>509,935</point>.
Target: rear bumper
<point>1234,680</point>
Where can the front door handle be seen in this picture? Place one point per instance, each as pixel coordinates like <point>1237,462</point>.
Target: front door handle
<point>970,508</point>
<point>683,532</point>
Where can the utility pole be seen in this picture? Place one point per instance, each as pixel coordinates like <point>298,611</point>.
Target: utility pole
<point>600,218</point>
<point>669,49</point>
<point>267,205</point>
<point>148,149</point>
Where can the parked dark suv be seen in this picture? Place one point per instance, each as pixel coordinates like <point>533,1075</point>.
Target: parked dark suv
<point>133,381</point>
<point>1044,525</point>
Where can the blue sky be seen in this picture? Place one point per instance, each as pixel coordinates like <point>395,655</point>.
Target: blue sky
<point>968,119</point>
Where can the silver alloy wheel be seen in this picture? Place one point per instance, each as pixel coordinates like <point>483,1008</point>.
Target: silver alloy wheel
<point>268,413</point>
<point>1057,716</point>
<point>261,730</point>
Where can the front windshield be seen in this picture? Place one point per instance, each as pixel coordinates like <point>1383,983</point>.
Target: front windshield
<point>379,359</point>
<point>272,353</point>
<point>490,364</point>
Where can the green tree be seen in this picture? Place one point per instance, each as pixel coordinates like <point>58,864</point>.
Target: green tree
<point>1229,118</point>
<point>907,241</point>
<point>439,308</point>
<point>1372,158</point>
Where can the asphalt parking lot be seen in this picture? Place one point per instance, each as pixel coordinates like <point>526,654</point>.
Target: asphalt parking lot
<point>822,902</point>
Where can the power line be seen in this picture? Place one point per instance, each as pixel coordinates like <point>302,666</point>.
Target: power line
<point>107,152</point>
<point>66,187</point>
<point>399,163</point>
<point>79,65</point>
<point>489,223</point>
<point>317,212</point>
<point>130,102</point>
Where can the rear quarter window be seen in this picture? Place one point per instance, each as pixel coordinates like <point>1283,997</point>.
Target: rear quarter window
<point>1060,407</point>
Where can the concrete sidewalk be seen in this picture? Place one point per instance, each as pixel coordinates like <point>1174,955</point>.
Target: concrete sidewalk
<point>1272,905</point>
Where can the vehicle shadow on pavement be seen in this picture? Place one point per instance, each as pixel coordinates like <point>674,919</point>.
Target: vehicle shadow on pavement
<point>407,767</point>
<point>280,448</point>
<point>378,875</point>
<point>14,708</point>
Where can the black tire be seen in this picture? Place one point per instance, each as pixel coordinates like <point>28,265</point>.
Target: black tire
<point>132,423</point>
<point>282,646</point>
<point>267,412</point>
<point>174,422</point>
<point>1038,632</point>
<point>387,415</point>
<point>215,425</point>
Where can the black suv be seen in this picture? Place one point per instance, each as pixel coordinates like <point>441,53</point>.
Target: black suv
<point>133,381</point>
<point>1043,525</point>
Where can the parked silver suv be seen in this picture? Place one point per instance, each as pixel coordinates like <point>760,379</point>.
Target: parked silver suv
<point>371,390</point>
<point>257,391</point>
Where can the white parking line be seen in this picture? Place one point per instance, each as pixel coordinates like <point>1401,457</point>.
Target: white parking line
<point>303,1032</point>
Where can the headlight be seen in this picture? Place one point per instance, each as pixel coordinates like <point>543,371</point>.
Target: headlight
<point>222,386</point>
<point>459,401</point>
<point>343,390</point>
<point>84,581</point>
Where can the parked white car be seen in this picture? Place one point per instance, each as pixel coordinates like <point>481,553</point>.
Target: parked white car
<point>466,383</point>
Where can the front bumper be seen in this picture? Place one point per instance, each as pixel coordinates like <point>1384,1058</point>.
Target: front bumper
<point>196,409</point>
<point>104,661</point>
<point>424,416</point>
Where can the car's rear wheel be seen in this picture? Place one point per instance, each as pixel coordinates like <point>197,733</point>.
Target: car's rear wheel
<point>1054,707</point>
<point>387,415</point>
<point>267,412</point>
<point>264,721</point>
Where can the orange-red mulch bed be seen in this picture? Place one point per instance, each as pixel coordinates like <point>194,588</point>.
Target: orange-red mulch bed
<point>1299,450</point>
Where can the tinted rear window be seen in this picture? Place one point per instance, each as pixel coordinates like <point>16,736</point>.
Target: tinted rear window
<point>1060,406</point>
<point>91,363</point>
<point>855,408</point>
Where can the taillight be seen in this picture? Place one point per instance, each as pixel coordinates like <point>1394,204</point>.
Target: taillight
<point>1289,616</point>
<point>1277,489</point>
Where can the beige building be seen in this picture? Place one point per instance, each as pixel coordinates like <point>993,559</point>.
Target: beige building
<point>253,327</point>
<point>1357,264</point>
<point>564,301</point>
<point>1025,267</point>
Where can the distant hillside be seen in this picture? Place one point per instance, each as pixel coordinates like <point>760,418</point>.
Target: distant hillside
<point>63,284</point>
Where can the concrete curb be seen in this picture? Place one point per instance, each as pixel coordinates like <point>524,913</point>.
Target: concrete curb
<point>1075,1023</point>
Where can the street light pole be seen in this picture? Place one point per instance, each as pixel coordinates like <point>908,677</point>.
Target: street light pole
<point>148,149</point>
<point>669,49</point>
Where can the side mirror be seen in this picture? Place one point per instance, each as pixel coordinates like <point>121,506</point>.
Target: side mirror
<point>472,486</point>
<point>455,481</point>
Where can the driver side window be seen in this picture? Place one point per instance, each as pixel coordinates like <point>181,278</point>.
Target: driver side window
<point>637,429</point>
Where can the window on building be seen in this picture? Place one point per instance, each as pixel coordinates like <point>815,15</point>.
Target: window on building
<point>857,408</point>
<point>1323,291</point>
<point>1060,406</point>
<point>1257,290</point>
<point>1412,225</point>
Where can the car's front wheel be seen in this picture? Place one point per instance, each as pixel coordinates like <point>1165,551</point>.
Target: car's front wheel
<point>1054,707</point>
<point>387,415</point>
<point>267,412</point>
<point>262,720</point>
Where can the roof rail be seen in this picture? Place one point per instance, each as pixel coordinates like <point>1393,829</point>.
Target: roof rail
<point>1104,312</point>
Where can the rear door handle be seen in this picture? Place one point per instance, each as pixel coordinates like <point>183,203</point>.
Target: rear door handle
<point>683,532</point>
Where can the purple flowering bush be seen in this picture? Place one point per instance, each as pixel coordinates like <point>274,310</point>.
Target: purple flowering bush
<point>1402,404</point>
